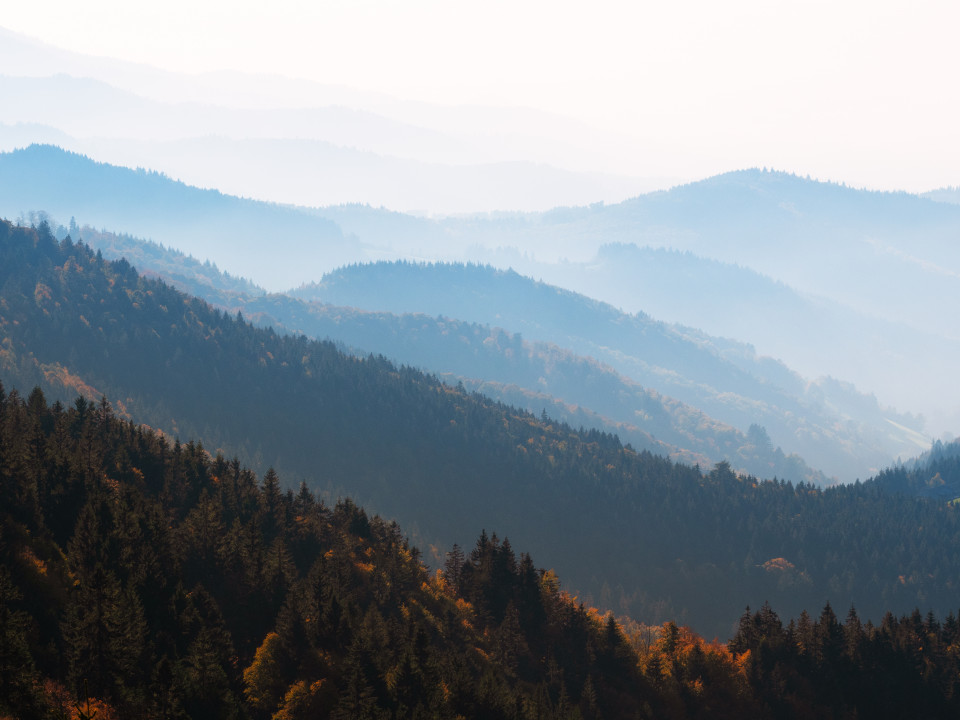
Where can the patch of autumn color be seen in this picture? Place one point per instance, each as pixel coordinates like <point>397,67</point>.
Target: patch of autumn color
<point>742,661</point>
<point>390,677</point>
<point>65,705</point>
<point>466,613</point>
<point>264,688</point>
<point>112,484</point>
<point>33,561</point>
<point>365,567</point>
<point>57,374</point>
<point>696,665</point>
<point>778,565</point>
<point>438,584</point>
<point>120,409</point>
<point>307,700</point>
<point>41,294</point>
<point>595,615</point>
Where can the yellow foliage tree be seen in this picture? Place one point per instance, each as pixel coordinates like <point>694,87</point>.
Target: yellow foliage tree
<point>305,701</point>
<point>264,679</point>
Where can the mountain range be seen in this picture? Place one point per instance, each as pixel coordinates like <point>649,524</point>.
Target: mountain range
<point>728,380</point>
<point>709,273</point>
<point>657,386</point>
<point>627,529</point>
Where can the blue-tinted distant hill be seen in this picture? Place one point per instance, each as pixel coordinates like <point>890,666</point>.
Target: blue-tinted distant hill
<point>839,243</point>
<point>814,335</point>
<point>534,376</point>
<point>829,423</point>
<point>830,279</point>
<point>244,237</point>
<point>947,195</point>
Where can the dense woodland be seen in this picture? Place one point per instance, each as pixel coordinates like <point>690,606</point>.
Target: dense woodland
<point>935,474</point>
<point>627,530</point>
<point>143,578</point>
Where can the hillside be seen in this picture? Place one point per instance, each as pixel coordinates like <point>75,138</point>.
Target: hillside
<point>855,271</point>
<point>222,228</point>
<point>778,320</point>
<point>830,425</point>
<point>144,578</point>
<point>533,376</point>
<point>625,529</point>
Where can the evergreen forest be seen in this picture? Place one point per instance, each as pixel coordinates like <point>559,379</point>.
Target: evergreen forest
<point>627,530</point>
<point>318,572</point>
<point>145,578</point>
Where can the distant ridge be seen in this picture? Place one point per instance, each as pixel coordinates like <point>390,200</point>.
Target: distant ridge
<point>246,238</point>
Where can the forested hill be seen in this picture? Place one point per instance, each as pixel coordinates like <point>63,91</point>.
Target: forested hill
<point>629,530</point>
<point>832,426</point>
<point>535,376</point>
<point>143,578</point>
<point>935,474</point>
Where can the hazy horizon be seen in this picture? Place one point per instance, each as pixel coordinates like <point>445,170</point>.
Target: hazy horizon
<point>851,94</point>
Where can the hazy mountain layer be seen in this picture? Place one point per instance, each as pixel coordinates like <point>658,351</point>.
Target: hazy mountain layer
<point>318,151</point>
<point>532,376</point>
<point>246,238</point>
<point>895,355</point>
<point>874,270</point>
<point>814,335</point>
<point>829,424</point>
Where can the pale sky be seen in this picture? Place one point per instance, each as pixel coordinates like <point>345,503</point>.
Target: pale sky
<point>860,92</point>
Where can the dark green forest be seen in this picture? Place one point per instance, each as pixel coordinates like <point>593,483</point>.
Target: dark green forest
<point>144,578</point>
<point>627,530</point>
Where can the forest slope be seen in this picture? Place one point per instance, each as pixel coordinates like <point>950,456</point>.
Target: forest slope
<point>829,424</point>
<point>144,578</point>
<point>627,529</point>
<point>531,375</point>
